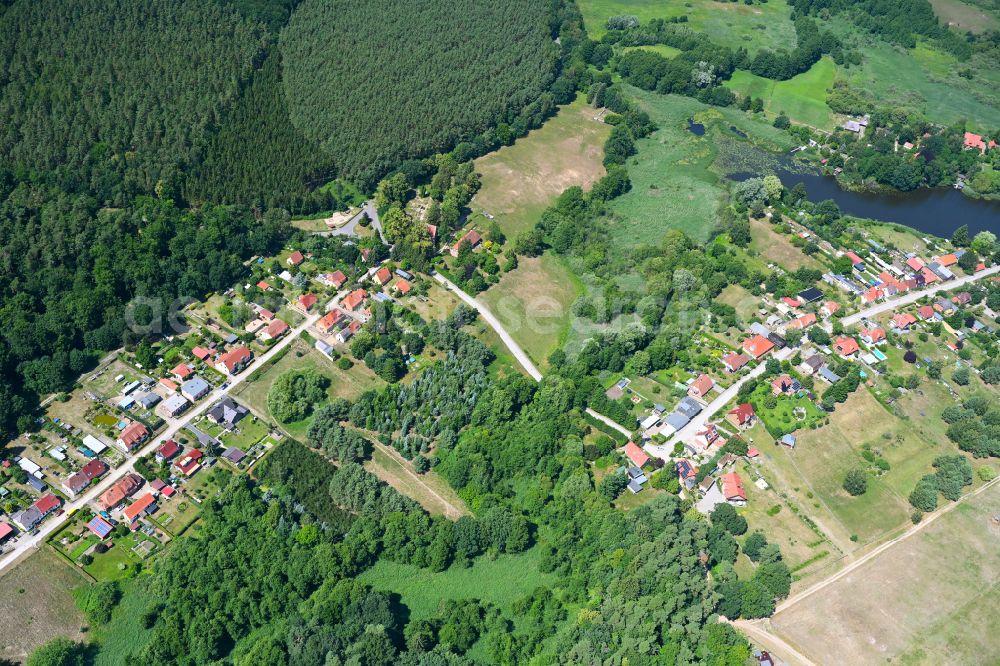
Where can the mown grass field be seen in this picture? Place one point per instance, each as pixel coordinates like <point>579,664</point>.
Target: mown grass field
<point>534,304</point>
<point>520,181</point>
<point>500,581</point>
<point>802,97</point>
<point>429,490</point>
<point>36,604</point>
<point>777,248</point>
<point>754,26</point>
<point>661,49</point>
<point>965,17</point>
<point>937,598</point>
<point>676,181</point>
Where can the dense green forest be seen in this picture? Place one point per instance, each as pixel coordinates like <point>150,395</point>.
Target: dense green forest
<point>432,73</point>
<point>268,577</point>
<point>112,97</point>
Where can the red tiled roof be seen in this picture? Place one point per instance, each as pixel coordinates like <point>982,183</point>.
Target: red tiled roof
<point>47,503</point>
<point>757,346</point>
<point>845,346</point>
<point>831,306</point>
<point>201,353</point>
<point>168,449</point>
<point>338,278</point>
<point>791,302</point>
<point>735,361</point>
<point>855,259</point>
<point>138,507</point>
<point>752,452</point>
<point>732,486</point>
<point>742,413</point>
<point>974,141</point>
<point>383,275</point>
<point>114,495</point>
<point>295,258</point>
<point>914,263</point>
<point>5,531</point>
<point>182,370</point>
<point>402,286</point>
<point>903,319</point>
<point>276,328</point>
<point>133,433</point>
<point>925,311</point>
<point>703,384</point>
<point>307,301</point>
<point>354,299</point>
<point>329,320</point>
<point>948,260</point>
<point>805,321</point>
<point>189,462</point>
<point>263,286</point>
<point>636,454</point>
<point>234,357</point>
<point>876,334</point>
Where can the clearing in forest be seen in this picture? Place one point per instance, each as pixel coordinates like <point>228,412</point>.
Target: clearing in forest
<point>520,181</point>
<point>534,304</point>
<point>937,597</point>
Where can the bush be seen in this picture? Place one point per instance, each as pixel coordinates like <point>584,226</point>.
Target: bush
<point>856,482</point>
<point>925,494</point>
<point>345,363</point>
<point>986,473</point>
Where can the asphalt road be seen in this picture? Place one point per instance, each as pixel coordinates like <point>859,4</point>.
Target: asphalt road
<point>914,296</point>
<point>28,542</point>
<point>666,450</point>
<point>349,228</point>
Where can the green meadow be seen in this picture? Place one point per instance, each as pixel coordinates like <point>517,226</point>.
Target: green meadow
<point>756,26</point>
<point>802,97</point>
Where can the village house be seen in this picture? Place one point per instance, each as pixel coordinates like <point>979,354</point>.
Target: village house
<point>962,298</point>
<point>255,325</point>
<point>975,142</point>
<point>705,438</point>
<point>700,386</point>
<point>201,353</point>
<point>27,519</point>
<point>686,473</point>
<point>346,333</point>
<point>132,435</point>
<point>354,299</point>
<point>734,362</point>
<point>788,440</point>
<point>143,506</point>
<point>100,527</point>
<point>472,239</point>
<point>829,308</point>
<point>274,330</point>
<point>173,406</point>
<point>402,287</point>
<point>742,416</point>
<point>295,258</point>
<point>169,386</point>
<point>188,463</point>
<point>307,301</point>
<point>335,279</point>
<point>873,336</point>
<point>330,321</point>
<point>195,389</point>
<point>234,360</point>
<point>182,371</point>
<point>791,302</point>
<point>732,489</point>
<point>784,384</point>
<point>636,455</point>
<point>902,321</point>
<point>167,451</point>
<point>80,480</point>
<point>125,487</point>
<point>846,346</point>
<point>226,413</point>
<point>263,286</point>
<point>757,346</point>
<point>812,365</point>
<point>382,276</point>
<point>925,312</point>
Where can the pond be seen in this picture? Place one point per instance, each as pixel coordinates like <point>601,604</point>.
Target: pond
<point>696,128</point>
<point>937,211</point>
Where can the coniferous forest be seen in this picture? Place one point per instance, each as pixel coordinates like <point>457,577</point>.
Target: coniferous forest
<point>115,108</point>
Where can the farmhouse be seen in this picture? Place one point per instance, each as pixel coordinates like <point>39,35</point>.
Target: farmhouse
<point>700,386</point>
<point>472,239</point>
<point>34,514</point>
<point>134,434</point>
